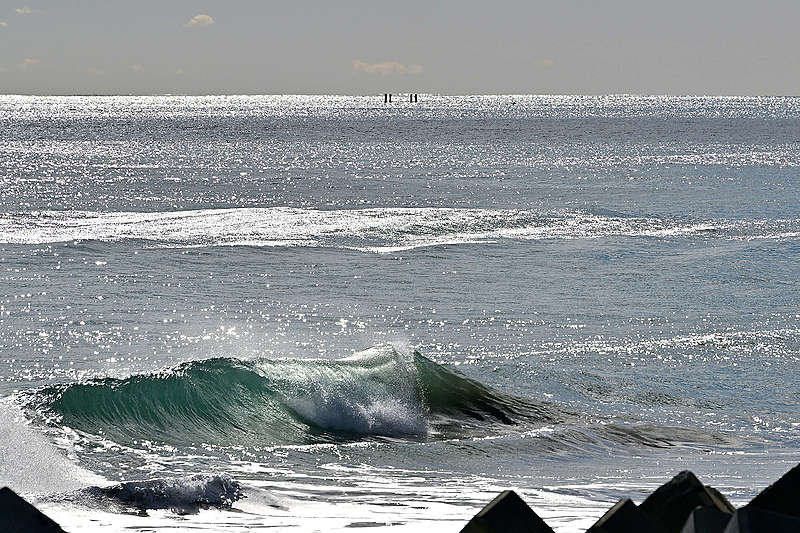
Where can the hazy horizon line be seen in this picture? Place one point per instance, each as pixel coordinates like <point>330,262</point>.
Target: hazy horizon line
<point>437,94</point>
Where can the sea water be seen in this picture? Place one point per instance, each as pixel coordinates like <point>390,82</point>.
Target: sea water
<point>322,312</point>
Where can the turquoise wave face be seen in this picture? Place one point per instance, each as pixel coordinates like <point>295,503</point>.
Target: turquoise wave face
<point>377,393</point>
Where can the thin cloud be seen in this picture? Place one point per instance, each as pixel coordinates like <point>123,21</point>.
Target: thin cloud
<point>3,24</point>
<point>25,10</point>
<point>137,68</point>
<point>387,68</point>
<point>199,21</point>
<point>545,63</point>
<point>95,71</point>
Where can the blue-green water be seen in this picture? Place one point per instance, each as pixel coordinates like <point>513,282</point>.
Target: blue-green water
<point>329,298</point>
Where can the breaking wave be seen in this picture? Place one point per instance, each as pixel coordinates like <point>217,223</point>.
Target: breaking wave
<point>182,495</point>
<point>382,230</point>
<point>377,393</point>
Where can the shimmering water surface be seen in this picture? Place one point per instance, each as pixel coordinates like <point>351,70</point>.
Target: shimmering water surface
<point>369,314</point>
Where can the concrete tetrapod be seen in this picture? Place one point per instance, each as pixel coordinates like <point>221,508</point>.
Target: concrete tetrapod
<point>756,520</point>
<point>673,502</point>
<point>625,517</point>
<point>706,520</point>
<point>507,513</point>
<point>18,516</point>
<point>783,496</point>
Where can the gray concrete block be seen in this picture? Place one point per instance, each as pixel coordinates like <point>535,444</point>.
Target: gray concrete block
<point>19,516</point>
<point>756,520</point>
<point>672,503</point>
<point>783,496</point>
<point>625,517</point>
<point>706,520</point>
<point>507,513</point>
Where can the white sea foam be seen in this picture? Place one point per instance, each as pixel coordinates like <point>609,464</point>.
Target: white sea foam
<point>376,396</point>
<point>382,230</point>
<point>29,463</point>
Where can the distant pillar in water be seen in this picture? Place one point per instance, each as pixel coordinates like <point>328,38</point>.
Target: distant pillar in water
<point>410,97</point>
<point>390,98</point>
<point>415,98</point>
<point>385,97</point>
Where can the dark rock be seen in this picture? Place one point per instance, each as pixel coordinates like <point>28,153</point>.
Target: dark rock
<point>672,503</point>
<point>706,520</point>
<point>757,520</point>
<point>507,513</point>
<point>783,496</point>
<point>18,516</point>
<point>625,517</point>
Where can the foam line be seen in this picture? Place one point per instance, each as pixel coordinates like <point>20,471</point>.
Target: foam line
<point>382,230</point>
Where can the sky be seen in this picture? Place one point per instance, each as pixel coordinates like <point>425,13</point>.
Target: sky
<point>711,47</point>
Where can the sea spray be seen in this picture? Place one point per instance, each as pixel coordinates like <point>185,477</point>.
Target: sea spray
<point>29,463</point>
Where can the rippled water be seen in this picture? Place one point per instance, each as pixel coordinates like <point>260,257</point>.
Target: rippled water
<point>384,314</point>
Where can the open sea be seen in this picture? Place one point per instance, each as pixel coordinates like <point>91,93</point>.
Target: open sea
<point>314,313</point>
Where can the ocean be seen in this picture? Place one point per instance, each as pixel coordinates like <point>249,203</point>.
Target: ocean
<point>310,313</point>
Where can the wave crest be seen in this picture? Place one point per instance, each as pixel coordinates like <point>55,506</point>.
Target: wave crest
<point>380,392</point>
<point>382,230</point>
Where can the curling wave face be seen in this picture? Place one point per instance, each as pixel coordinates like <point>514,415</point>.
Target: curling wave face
<point>380,392</point>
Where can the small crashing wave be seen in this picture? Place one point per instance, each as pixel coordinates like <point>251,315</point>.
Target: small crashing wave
<point>382,230</point>
<point>186,495</point>
<point>380,392</point>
